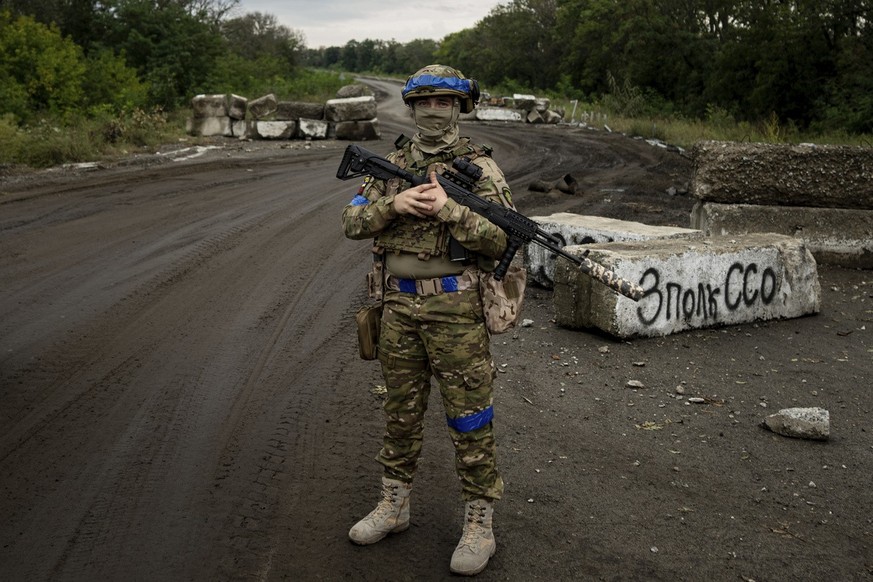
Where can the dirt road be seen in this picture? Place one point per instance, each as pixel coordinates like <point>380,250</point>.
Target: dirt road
<point>181,399</point>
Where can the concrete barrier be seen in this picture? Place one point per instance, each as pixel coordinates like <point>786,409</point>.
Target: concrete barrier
<point>498,114</point>
<point>210,126</point>
<point>350,109</point>
<point>690,284</point>
<point>835,236</point>
<point>205,106</point>
<point>358,130</point>
<point>263,106</point>
<point>274,129</point>
<point>577,229</point>
<point>349,118</point>
<point>312,128</point>
<point>296,110</point>
<point>826,176</point>
<point>237,107</point>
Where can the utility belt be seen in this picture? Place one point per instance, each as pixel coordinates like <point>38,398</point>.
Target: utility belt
<point>436,286</point>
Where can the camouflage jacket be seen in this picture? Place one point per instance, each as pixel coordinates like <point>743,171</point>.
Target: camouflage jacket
<point>371,212</point>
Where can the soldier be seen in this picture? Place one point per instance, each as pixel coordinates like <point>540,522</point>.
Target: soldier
<point>431,251</point>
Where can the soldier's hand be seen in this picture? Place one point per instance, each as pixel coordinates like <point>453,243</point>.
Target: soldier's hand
<point>440,196</point>
<point>417,201</point>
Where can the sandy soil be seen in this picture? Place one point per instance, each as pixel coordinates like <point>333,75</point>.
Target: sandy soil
<point>180,396</point>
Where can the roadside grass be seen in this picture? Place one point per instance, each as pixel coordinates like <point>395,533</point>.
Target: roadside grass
<point>718,126</point>
<point>100,134</point>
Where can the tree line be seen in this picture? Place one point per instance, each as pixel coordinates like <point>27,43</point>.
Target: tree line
<point>65,58</point>
<point>803,62</point>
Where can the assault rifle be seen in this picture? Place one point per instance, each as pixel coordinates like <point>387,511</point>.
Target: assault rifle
<point>458,185</point>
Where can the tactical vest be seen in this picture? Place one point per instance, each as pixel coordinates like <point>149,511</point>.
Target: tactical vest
<point>409,234</point>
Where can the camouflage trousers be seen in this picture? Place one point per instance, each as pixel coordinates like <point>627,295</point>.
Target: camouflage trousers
<point>441,336</point>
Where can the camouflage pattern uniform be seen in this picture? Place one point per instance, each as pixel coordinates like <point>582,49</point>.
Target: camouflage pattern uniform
<point>439,334</point>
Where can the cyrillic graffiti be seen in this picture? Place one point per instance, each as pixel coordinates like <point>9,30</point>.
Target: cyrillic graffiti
<point>743,288</point>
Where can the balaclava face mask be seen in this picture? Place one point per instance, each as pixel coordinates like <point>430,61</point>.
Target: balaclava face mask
<point>437,128</point>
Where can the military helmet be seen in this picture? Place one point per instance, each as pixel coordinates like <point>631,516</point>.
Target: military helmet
<point>442,80</point>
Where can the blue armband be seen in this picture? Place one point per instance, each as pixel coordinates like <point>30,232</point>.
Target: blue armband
<point>472,422</point>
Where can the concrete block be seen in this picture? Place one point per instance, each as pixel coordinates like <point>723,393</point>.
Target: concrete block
<point>294,110</point>
<point>350,109</point>
<point>498,114</point>
<point>525,102</point>
<point>358,130</point>
<point>577,229</point>
<point>534,116</point>
<point>312,128</point>
<point>552,117</point>
<point>239,128</point>
<point>274,129</point>
<point>205,106</point>
<point>263,106</point>
<point>543,104</point>
<point>354,90</point>
<point>827,176</point>
<point>237,107</point>
<point>835,236</point>
<point>689,284</point>
<point>210,126</point>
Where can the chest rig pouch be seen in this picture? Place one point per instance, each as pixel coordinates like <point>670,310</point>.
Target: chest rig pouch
<point>426,238</point>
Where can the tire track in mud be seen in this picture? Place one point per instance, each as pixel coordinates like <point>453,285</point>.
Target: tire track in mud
<point>120,510</point>
<point>91,378</point>
<point>281,416</point>
<point>66,365</point>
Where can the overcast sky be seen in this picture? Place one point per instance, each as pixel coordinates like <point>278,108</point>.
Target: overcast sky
<point>335,22</point>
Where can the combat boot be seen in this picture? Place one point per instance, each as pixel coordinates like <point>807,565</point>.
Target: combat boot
<point>390,516</point>
<point>477,543</point>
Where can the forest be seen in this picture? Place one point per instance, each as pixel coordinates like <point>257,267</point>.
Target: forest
<point>128,64</point>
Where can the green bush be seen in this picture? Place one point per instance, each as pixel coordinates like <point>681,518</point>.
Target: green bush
<point>108,81</point>
<point>10,140</point>
<point>40,70</point>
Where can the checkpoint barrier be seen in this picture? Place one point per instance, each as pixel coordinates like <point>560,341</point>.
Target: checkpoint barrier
<point>690,284</point>
<point>822,194</point>
<point>577,229</point>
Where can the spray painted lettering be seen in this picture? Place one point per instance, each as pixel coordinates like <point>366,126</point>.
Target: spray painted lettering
<point>744,286</point>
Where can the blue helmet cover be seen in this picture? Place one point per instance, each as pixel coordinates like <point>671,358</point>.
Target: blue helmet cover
<point>434,82</point>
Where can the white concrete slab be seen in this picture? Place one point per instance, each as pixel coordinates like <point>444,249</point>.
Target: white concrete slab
<point>579,229</point>
<point>690,284</point>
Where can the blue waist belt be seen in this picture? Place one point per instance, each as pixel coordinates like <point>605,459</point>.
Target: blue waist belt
<point>472,421</point>
<point>435,286</point>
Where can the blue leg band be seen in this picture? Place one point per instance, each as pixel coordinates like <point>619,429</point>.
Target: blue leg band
<point>472,422</point>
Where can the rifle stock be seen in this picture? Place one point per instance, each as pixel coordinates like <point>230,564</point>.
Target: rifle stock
<point>519,229</point>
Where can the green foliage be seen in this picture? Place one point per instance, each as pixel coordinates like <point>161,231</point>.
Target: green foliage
<point>43,144</point>
<point>719,117</point>
<point>109,82</point>
<point>257,36</point>
<point>624,98</point>
<point>172,49</point>
<point>137,127</point>
<point>374,56</point>
<point>515,41</point>
<point>40,70</point>
<point>311,85</point>
<point>77,76</point>
<point>44,73</point>
<point>49,142</point>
